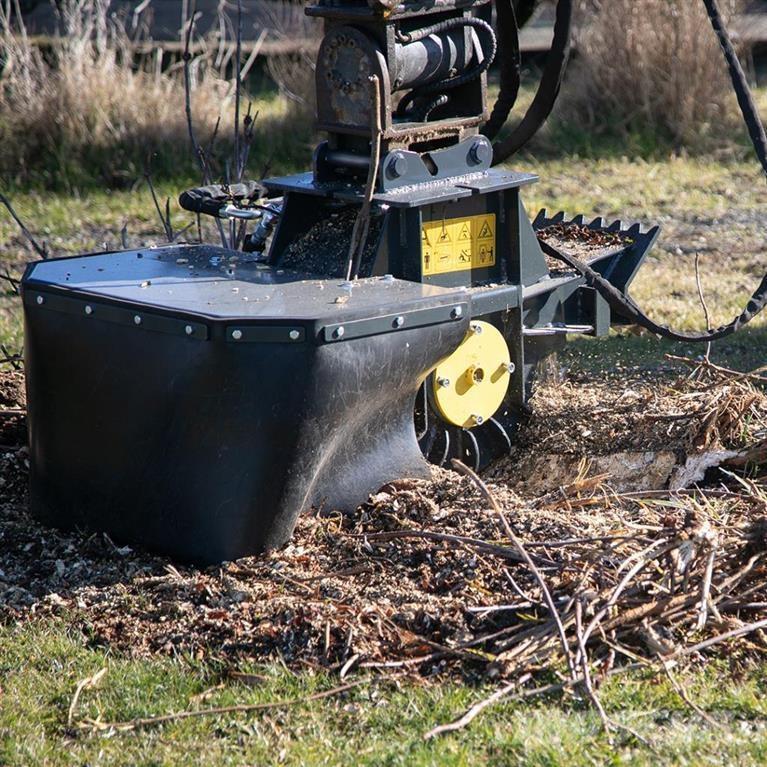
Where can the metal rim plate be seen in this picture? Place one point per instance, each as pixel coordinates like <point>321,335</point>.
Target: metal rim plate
<point>471,384</point>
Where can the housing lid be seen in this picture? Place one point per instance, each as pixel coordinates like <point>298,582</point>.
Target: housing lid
<point>223,286</point>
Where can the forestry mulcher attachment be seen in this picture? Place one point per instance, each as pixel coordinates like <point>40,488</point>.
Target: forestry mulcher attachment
<point>392,303</point>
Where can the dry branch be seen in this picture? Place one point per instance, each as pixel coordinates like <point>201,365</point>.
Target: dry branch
<point>154,721</point>
<point>41,250</point>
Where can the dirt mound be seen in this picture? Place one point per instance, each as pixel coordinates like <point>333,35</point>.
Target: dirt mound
<point>426,578</point>
<point>641,436</point>
<point>12,409</point>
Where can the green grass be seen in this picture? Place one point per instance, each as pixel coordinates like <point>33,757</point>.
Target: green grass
<point>378,723</point>
<point>679,193</point>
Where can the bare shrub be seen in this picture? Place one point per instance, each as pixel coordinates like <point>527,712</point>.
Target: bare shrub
<point>88,108</point>
<point>293,71</point>
<point>653,66</point>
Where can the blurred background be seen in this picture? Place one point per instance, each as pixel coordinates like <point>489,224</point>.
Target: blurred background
<point>90,87</point>
<point>92,105</point>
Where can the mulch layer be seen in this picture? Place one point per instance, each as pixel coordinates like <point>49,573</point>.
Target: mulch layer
<point>454,576</point>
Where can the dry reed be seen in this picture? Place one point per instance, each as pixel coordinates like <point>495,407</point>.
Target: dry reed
<point>654,67</point>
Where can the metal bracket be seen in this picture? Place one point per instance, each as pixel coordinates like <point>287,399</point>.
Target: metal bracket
<point>391,323</point>
<point>405,168</point>
<point>134,317</point>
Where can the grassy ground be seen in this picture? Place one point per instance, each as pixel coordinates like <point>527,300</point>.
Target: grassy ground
<point>705,206</point>
<point>374,724</point>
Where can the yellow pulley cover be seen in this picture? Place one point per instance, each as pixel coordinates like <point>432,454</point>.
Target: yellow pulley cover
<point>470,385</point>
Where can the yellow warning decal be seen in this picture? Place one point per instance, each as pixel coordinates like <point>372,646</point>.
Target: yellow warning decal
<point>458,244</point>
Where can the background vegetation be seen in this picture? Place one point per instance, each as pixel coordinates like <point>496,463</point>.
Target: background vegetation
<point>648,131</point>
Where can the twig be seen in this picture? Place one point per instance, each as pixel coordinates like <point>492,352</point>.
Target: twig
<point>187,59</point>
<point>83,684</point>
<point>199,154</point>
<point>152,721</point>
<point>164,217</point>
<point>11,281</point>
<point>237,94</point>
<point>485,490</point>
<point>584,660</point>
<point>477,709</point>
<point>734,634</point>
<point>548,689</point>
<point>362,222</point>
<point>703,304</point>
<point>8,358</point>
<point>503,552</point>
<point>735,375</point>
<point>41,250</point>
<point>705,590</point>
<point>683,695</point>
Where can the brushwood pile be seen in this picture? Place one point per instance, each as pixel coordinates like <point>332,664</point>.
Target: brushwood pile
<point>642,510</point>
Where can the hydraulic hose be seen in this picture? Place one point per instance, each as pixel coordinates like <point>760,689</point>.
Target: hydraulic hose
<point>481,26</point>
<point>510,66</point>
<point>548,89</point>
<point>624,304</point>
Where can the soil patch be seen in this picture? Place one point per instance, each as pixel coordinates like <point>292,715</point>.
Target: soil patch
<point>424,578</point>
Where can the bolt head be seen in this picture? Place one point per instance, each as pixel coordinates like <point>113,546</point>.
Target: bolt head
<point>339,332</point>
<point>236,335</point>
<point>443,382</point>
<point>478,420</point>
<point>476,329</point>
<point>511,368</point>
<point>480,152</point>
<point>399,322</point>
<point>294,335</point>
<point>397,165</point>
<point>457,313</point>
<point>137,320</point>
<point>40,300</point>
<point>189,330</point>
<point>89,310</point>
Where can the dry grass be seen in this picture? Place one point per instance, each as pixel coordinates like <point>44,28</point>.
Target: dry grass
<point>87,100</point>
<point>653,66</point>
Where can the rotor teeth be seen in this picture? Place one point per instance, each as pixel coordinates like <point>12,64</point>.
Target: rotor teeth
<point>635,230</point>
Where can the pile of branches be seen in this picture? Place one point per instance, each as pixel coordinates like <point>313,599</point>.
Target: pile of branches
<point>447,577</point>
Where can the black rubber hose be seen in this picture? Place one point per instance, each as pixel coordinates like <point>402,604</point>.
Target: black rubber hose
<point>472,74</point>
<point>548,89</point>
<point>510,66</point>
<point>437,29</point>
<point>210,199</point>
<point>625,305</point>
<point>740,84</point>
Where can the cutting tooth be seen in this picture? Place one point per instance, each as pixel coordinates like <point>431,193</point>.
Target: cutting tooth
<point>616,226</point>
<point>578,220</point>
<point>634,230</point>
<point>540,220</point>
<point>597,223</point>
<point>557,218</point>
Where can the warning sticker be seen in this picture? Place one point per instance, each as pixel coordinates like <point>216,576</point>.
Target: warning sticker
<point>458,244</point>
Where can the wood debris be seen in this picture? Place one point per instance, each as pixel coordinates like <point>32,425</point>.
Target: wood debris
<point>429,579</point>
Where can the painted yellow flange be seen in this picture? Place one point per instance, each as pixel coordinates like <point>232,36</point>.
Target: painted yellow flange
<point>469,386</point>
